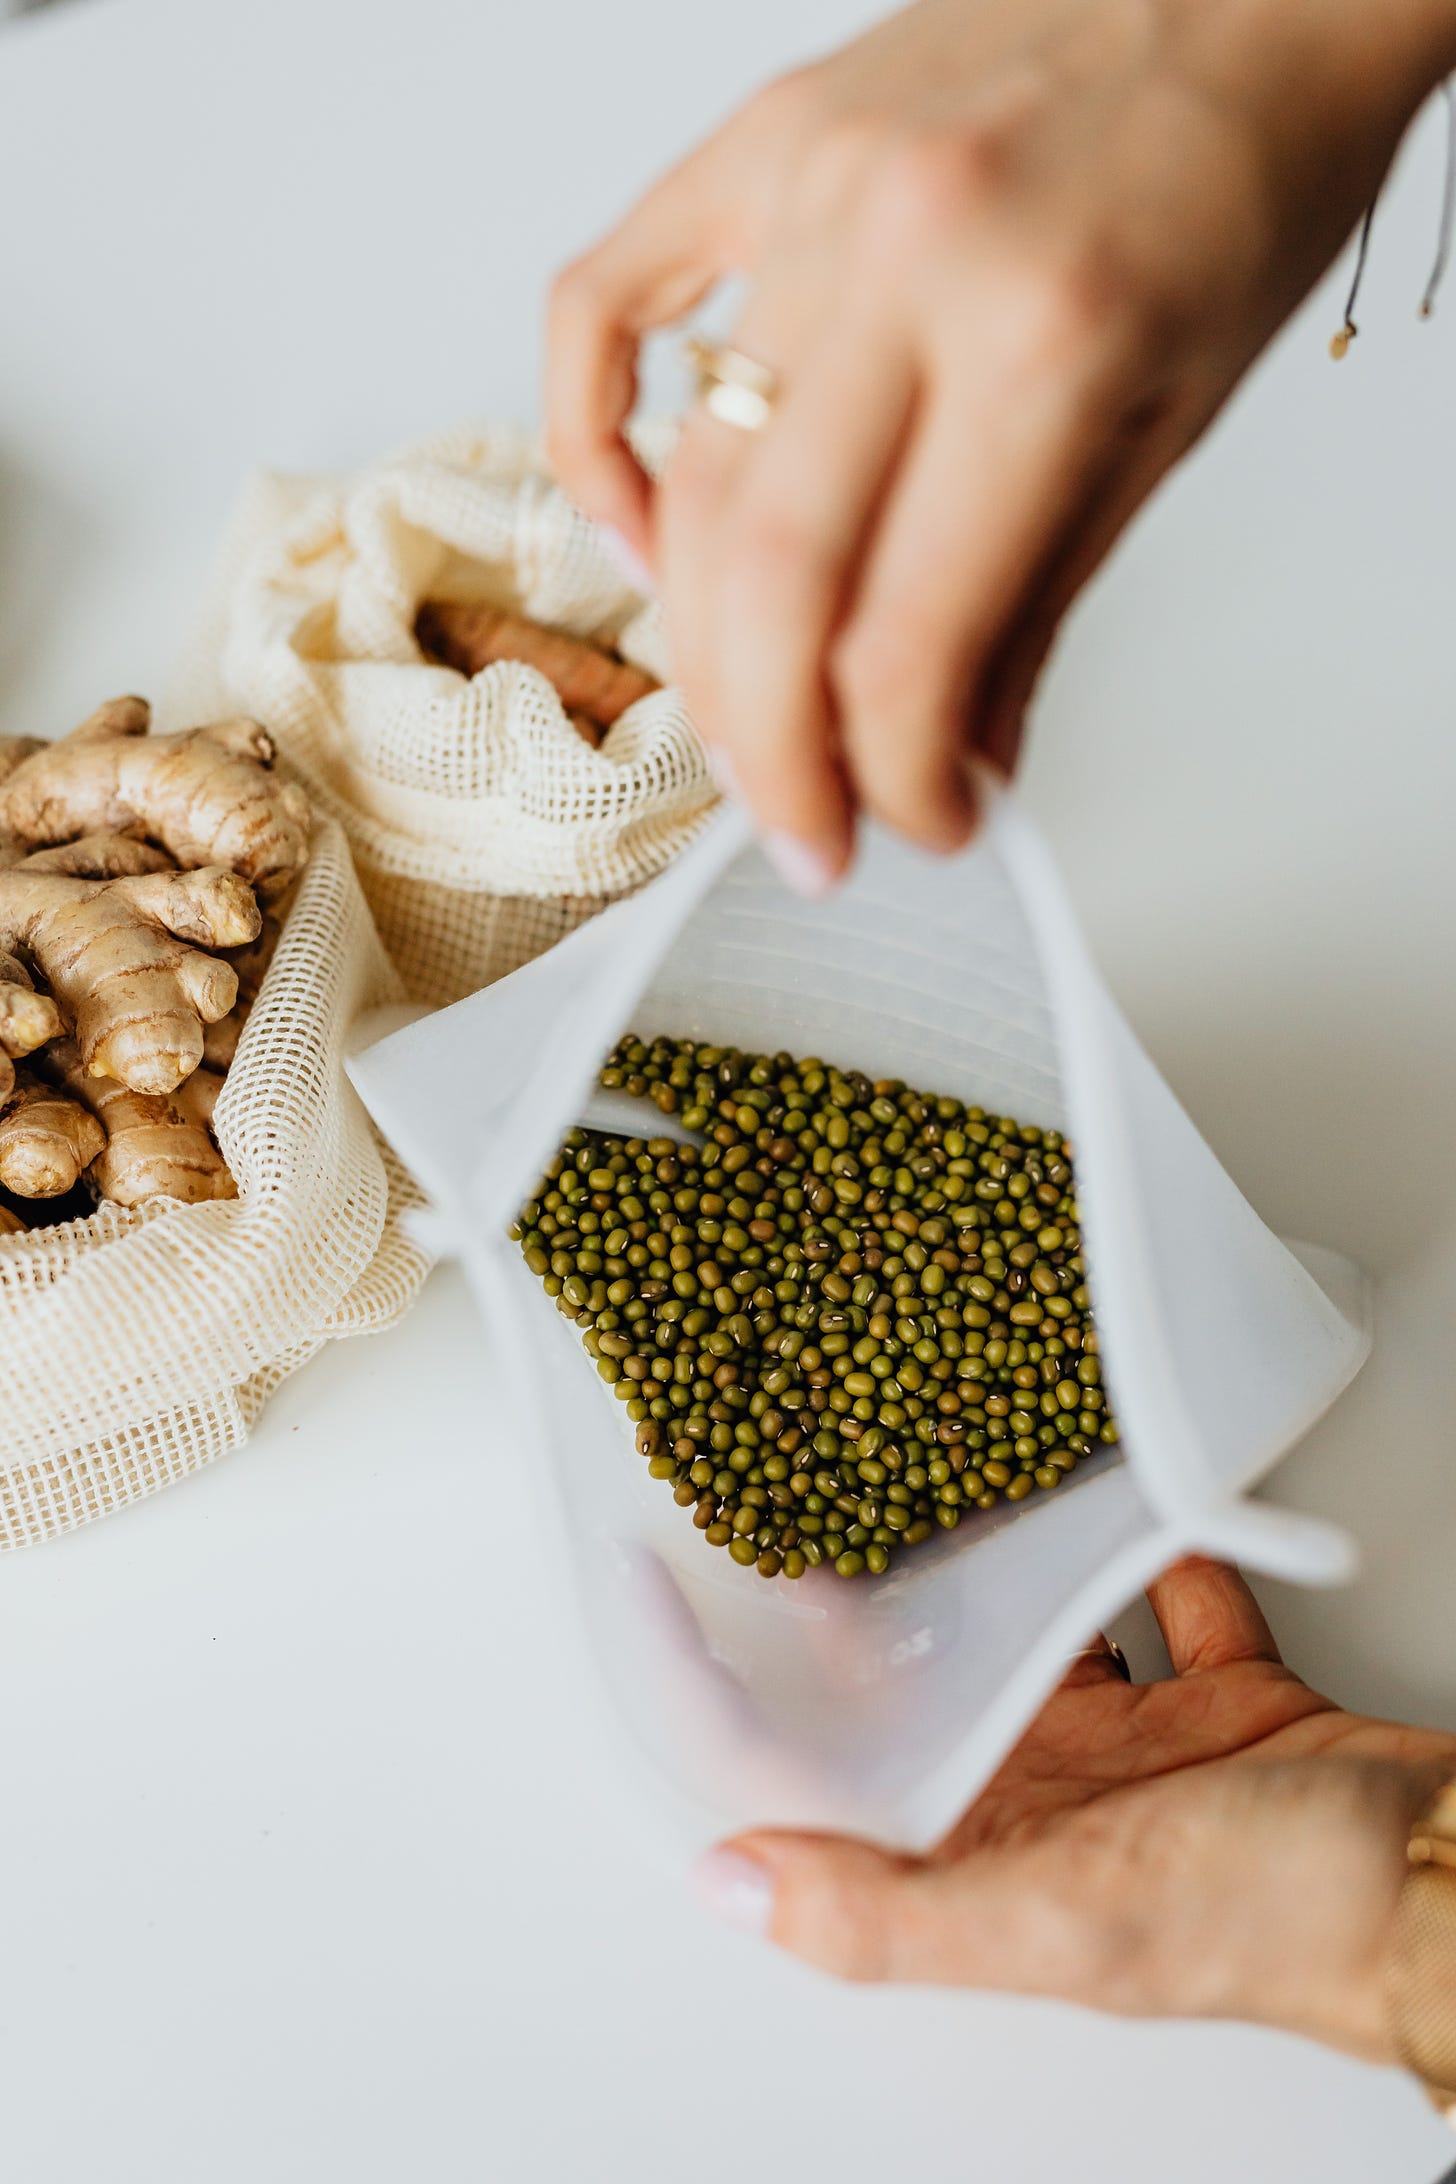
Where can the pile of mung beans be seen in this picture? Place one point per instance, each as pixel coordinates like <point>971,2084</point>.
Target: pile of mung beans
<point>852,1314</point>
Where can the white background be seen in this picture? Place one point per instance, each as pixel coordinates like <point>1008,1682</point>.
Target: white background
<point>314,1863</point>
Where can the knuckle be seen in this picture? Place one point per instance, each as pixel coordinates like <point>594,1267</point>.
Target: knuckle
<point>841,149</point>
<point>929,184</point>
<point>912,803</point>
<point>567,449</point>
<point>879,665</point>
<point>839,1929</point>
<point>789,103</point>
<point>1068,303</point>
<point>776,553</point>
<point>844,139</point>
<point>694,477</point>
<point>575,290</point>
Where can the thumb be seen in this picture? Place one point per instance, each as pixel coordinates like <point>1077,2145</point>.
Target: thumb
<point>857,1911</point>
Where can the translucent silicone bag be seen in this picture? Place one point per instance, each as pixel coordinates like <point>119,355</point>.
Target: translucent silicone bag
<point>880,1706</point>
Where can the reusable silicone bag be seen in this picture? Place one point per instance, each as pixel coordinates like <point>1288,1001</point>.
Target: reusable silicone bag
<point>878,1705</point>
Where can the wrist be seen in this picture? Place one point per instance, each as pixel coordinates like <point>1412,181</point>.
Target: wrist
<point>1363,67</point>
<point>1397,50</point>
<point>1433,41</point>
<point>1312,1951</point>
<point>1360,2007</point>
<point>1420,1971</point>
<point>1337,1995</point>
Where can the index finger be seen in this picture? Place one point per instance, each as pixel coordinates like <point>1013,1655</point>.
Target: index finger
<point>651,269</point>
<point>705,219</point>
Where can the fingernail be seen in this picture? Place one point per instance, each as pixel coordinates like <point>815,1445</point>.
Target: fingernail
<point>735,1889</point>
<point>799,865</point>
<point>628,560</point>
<point>725,774</point>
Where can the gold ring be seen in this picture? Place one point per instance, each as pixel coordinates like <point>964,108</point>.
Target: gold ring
<point>1109,1650</point>
<point>731,386</point>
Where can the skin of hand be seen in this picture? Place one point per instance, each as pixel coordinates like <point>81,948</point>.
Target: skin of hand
<point>1008,258</point>
<point>1224,1844</point>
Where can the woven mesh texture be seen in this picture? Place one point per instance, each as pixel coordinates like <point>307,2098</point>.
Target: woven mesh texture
<point>1423,1975</point>
<point>483,825</point>
<point>136,1346</point>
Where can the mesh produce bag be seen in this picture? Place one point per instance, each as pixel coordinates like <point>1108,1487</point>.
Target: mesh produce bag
<point>138,1344</point>
<point>880,1705</point>
<point>483,826</point>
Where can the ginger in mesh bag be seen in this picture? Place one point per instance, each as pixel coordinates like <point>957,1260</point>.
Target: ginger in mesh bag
<point>193,1201</point>
<point>486,816</point>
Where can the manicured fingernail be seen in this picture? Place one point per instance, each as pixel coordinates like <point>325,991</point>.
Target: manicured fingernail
<point>628,560</point>
<point>799,865</point>
<point>725,774</point>
<point>735,1889</point>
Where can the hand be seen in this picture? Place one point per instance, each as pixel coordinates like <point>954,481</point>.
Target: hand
<point>1008,259</point>
<point>1226,1844</point>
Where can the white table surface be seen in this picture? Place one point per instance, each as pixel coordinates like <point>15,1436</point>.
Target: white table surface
<point>314,1863</point>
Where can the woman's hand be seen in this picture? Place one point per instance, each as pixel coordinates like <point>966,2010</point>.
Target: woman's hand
<point>1226,1844</point>
<point>1008,258</point>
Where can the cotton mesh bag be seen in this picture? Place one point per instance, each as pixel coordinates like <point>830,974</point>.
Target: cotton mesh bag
<point>483,826</point>
<point>879,1706</point>
<point>139,1344</point>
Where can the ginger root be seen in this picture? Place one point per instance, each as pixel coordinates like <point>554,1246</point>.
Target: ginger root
<point>101,857</point>
<point>199,1096</point>
<point>220,1040</point>
<point>151,1145</point>
<point>590,681</point>
<point>47,1140</point>
<point>27,1019</point>
<point>112,953</point>
<point>207,796</point>
<point>130,953</point>
<point>13,749</point>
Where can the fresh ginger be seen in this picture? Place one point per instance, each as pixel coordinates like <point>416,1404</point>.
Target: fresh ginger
<point>13,749</point>
<point>118,970</point>
<point>220,1040</point>
<point>208,796</point>
<point>152,1145</point>
<point>27,1020</point>
<point>199,1096</point>
<point>47,1139</point>
<point>469,634</point>
<point>101,857</point>
<point>115,956</point>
